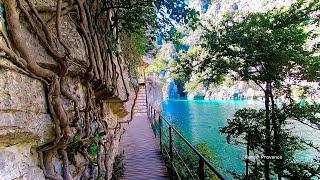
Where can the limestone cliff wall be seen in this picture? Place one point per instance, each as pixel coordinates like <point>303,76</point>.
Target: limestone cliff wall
<point>154,94</point>
<point>28,127</point>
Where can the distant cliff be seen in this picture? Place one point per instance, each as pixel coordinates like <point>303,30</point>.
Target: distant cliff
<point>212,12</point>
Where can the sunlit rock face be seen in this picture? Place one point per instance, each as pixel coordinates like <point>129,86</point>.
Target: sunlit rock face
<point>196,95</point>
<point>239,91</point>
<point>171,89</point>
<point>154,94</point>
<point>212,12</point>
<point>204,4</point>
<point>20,161</point>
<point>25,121</point>
<point>218,8</point>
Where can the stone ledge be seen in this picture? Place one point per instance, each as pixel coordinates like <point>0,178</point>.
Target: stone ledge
<point>20,162</point>
<point>20,92</point>
<point>21,127</point>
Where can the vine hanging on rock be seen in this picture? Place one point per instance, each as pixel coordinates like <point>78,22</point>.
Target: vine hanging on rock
<point>80,130</point>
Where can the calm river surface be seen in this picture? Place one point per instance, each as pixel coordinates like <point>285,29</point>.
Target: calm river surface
<point>200,120</point>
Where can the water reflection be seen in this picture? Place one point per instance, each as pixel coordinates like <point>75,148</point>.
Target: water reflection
<point>199,121</point>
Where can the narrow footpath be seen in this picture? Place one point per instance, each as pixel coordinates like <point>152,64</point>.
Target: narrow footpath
<point>142,156</point>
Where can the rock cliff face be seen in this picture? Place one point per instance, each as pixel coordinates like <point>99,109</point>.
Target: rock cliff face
<point>25,124</point>
<point>154,94</point>
<point>39,138</point>
<point>171,89</point>
<point>239,91</point>
<point>212,12</point>
<point>219,7</point>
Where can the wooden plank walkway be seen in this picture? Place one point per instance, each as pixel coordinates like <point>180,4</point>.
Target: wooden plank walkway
<point>142,156</point>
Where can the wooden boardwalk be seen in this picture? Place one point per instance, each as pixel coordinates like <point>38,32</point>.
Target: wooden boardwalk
<point>142,156</point>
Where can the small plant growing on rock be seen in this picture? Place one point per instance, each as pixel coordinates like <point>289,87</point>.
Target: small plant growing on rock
<point>118,167</point>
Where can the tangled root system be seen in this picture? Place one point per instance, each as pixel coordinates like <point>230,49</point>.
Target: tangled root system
<point>74,132</point>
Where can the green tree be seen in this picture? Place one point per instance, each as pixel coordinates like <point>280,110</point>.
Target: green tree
<point>265,48</point>
<point>248,124</point>
<point>100,24</point>
<point>157,67</point>
<point>247,128</point>
<point>188,63</point>
<point>163,59</point>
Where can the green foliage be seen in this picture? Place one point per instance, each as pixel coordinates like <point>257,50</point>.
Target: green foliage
<point>157,67</point>
<point>172,64</point>
<point>247,128</point>
<point>203,149</point>
<point>267,48</point>
<point>71,157</point>
<point>191,160</point>
<point>262,46</point>
<point>179,12</point>
<point>118,169</point>
<point>97,138</point>
<point>77,136</point>
<point>307,114</point>
<point>185,160</point>
<point>247,121</point>
<point>134,46</point>
<point>93,149</point>
<point>188,63</point>
<point>140,22</point>
<point>163,59</point>
<point>194,85</point>
<point>80,146</point>
<point>151,17</point>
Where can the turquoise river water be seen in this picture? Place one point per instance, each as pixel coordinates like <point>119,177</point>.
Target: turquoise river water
<point>199,121</point>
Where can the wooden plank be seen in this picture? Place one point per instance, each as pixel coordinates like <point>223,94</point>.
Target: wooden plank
<point>142,156</point>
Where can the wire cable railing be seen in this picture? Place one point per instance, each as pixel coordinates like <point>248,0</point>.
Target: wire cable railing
<point>173,144</point>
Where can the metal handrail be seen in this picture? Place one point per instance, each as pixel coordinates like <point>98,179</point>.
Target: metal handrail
<point>203,161</point>
<point>152,113</point>
<point>184,163</point>
<point>177,153</point>
<point>174,148</point>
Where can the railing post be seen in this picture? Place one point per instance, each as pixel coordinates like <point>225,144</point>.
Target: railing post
<point>154,124</point>
<point>160,134</point>
<point>171,151</point>
<point>201,169</point>
<point>145,86</point>
<point>152,113</point>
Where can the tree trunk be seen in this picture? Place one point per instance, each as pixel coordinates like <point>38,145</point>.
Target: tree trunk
<point>248,153</point>
<point>267,150</point>
<point>276,128</point>
<point>255,166</point>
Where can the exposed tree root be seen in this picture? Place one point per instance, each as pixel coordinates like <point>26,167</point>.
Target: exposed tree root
<point>75,132</point>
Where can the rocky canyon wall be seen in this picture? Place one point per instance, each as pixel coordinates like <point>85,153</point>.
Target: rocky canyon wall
<point>154,94</point>
<point>63,93</point>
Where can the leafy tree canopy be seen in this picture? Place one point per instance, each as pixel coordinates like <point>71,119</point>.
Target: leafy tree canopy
<point>152,17</point>
<point>265,46</point>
